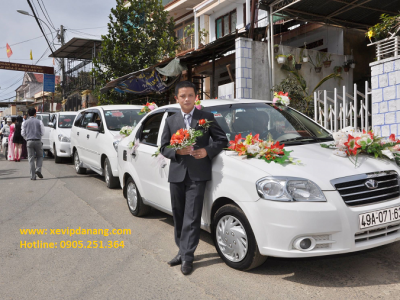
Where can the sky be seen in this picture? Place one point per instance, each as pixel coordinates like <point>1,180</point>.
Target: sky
<point>81,18</point>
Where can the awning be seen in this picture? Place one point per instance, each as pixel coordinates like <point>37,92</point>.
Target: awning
<point>191,57</point>
<point>78,48</point>
<point>359,14</point>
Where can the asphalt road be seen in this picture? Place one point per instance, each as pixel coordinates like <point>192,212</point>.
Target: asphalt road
<point>139,270</point>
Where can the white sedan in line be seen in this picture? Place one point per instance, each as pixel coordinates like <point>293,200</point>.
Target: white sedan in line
<point>254,209</point>
<point>60,135</point>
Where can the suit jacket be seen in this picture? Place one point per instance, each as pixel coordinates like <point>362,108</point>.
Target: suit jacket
<point>198,169</point>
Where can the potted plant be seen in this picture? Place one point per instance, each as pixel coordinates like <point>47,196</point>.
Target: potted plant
<point>337,69</point>
<point>351,63</point>
<point>290,57</point>
<point>318,62</point>
<point>327,60</point>
<point>346,66</point>
<point>280,58</point>
<point>276,48</point>
<point>304,54</point>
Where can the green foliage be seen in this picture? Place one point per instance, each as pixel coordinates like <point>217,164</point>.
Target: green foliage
<point>319,58</point>
<point>388,25</point>
<point>138,37</point>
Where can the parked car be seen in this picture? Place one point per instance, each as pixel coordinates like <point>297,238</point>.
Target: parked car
<point>60,135</point>
<point>255,209</point>
<point>95,133</point>
<point>45,118</point>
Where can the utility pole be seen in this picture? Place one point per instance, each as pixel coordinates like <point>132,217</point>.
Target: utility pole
<point>62,63</point>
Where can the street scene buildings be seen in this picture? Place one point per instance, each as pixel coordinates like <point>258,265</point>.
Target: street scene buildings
<point>175,149</point>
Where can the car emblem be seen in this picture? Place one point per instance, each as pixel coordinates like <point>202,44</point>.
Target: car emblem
<point>371,184</point>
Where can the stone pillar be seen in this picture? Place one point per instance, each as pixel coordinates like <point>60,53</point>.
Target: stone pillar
<point>385,83</point>
<point>243,68</point>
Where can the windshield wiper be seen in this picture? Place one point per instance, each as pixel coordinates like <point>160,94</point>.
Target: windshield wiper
<point>305,138</point>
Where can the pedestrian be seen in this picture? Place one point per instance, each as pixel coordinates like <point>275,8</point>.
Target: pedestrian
<point>25,117</point>
<point>24,154</point>
<point>5,131</point>
<point>32,131</point>
<point>189,171</point>
<point>11,155</point>
<point>18,139</point>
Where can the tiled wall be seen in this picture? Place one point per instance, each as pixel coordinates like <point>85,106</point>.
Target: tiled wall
<point>243,65</point>
<point>385,83</point>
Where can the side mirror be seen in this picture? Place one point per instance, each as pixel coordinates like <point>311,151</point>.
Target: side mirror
<point>50,124</point>
<point>93,127</point>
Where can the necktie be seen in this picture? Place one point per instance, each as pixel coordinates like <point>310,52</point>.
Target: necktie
<point>187,121</point>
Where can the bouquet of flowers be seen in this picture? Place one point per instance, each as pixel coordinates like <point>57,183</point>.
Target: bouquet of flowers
<point>126,131</point>
<point>281,98</point>
<point>253,147</point>
<point>148,108</point>
<point>350,143</point>
<point>198,105</point>
<point>184,138</point>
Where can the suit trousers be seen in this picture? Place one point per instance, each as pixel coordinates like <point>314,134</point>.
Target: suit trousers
<point>35,150</point>
<point>187,205</point>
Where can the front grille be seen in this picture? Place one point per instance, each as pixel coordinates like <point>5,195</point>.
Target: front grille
<point>354,191</point>
<point>376,233</point>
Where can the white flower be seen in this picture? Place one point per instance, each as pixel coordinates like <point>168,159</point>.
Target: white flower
<point>253,149</point>
<point>285,100</point>
<point>340,144</point>
<point>337,136</point>
<point>349,130</point>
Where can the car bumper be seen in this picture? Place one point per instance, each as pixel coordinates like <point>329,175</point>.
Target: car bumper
<point>114,165</point>
<point>64,149</point>
<point>333,224</point>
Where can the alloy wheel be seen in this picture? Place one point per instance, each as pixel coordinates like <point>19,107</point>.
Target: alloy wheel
<point>106,174</point>
<point>77,162</point>
<point>132,196</point>
<point>232,238</point>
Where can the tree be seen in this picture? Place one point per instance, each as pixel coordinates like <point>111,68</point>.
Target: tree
<point>139,35</point>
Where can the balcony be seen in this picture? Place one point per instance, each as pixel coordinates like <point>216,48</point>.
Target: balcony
<point>185,44</point>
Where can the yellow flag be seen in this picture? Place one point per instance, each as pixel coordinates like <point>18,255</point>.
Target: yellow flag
<point>31,55</point>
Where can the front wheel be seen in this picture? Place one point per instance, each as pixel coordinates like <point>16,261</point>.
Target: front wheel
<point>134,200</point>
<point>111,181</point>
<point>234,239</point>
<point>57,159</point>
<point>77,163</point>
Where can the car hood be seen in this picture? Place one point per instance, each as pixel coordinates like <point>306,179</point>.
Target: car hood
<point>320,165</point>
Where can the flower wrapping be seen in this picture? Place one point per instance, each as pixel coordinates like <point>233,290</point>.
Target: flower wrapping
<point>281,98</point>
<point>126,131</point>
<point>184,138</point>
<point>147,108</point>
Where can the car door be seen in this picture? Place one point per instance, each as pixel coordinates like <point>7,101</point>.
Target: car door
<point>84,136</point>
<point>152,170</point>
<point>95,141</point>
<point>53,133</point>
<point>47,129</point>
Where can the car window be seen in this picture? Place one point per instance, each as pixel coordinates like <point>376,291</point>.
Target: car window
<point>78,119</point>
<point>87,118</point>
<point>150,129</point>
<point>65,121</point>
<point>116,119</point>
<point>279,123</point>
<point>45,120</point>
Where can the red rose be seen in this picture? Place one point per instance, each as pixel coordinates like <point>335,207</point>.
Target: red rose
<point>202,122</point>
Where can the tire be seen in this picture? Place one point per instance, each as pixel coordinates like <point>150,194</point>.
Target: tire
<point>111,181</point>
<point>134,200</point>
<point>57,159</point>
<point>77,162</point>
<point>240,252</point>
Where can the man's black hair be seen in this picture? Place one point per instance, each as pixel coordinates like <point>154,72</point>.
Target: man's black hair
<point>31,112</point>
<point>19,119</point>
<point>184,84</point>
<point>13,119</point>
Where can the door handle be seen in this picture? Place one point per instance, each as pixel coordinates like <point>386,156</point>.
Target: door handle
<point>88,136</point>
<point>163,166</point>
<point>77,133</point>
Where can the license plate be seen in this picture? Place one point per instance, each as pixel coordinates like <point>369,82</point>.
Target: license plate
<point>379,217</point>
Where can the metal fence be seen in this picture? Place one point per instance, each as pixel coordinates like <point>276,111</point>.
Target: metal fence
<point>387,48</point>
<point>344,109</point>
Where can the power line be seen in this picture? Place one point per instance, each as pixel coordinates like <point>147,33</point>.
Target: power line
<point>87,28</point>
<point>51,22</point>
<point>28,40</point>
<point>84,33</point>
<point>45,15</point>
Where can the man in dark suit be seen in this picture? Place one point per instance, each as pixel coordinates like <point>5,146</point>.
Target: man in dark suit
<point>189,171</point>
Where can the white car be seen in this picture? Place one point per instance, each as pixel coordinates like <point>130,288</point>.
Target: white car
<point>94,136</point>
<point>45,118</point>
<point>255,209</point>
<point>60,135</point>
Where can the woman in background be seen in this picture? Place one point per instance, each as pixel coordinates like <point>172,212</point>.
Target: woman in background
<point>18,140</point>
<point>10,140</point>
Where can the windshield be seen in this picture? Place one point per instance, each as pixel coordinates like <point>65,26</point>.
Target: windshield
<point>45,120</point>
<point>66,121</point>
<point>280,123</point>
<point>116,119</point>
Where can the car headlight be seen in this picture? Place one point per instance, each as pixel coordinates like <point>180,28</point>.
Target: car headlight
<point>64,139</point>
<point>115,144</point>
<point>282,188</point>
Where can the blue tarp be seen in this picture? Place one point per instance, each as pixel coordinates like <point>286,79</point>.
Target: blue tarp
<point>145,84</point>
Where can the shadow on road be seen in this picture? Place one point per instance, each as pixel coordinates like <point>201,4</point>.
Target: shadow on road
<point>7,172</point>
